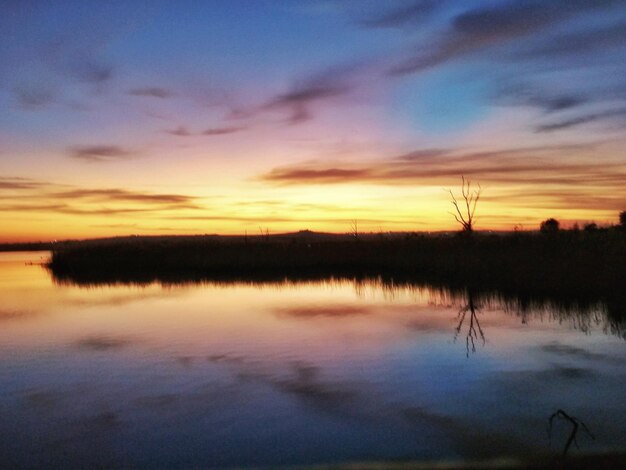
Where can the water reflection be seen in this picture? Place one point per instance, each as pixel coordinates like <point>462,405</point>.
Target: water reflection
<point>474,329</point>
<point>233,373</point>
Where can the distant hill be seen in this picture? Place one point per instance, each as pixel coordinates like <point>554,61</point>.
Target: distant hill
<point>301,236</point>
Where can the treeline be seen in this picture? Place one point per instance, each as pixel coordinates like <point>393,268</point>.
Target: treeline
<point>36,246</point>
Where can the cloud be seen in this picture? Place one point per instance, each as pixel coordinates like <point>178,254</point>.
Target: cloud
<point>180,131</point>
<point>548,102</point>
<point>410,14</point>
<point>72,210</point>
<point>424,154</point>
<point>317,175</point>
<point>493,26</point>
<point>577,42</point>
<point>124,195</point>
<point>583,196</point>
<point>152,92</point>
<point>211,131</point>
<point>516,165</point>
<point>89,70</point>
<point>77,54</point>
<point>299,101</point>
<point>221,130</point>
<point>45,207</point>
<point>40,196</point>
<point>568,123</point>
<point>100,153</point>
<point>33,97</point>
<point>17,183</point>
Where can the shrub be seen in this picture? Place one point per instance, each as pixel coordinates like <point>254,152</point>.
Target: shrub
<point>549,226</point>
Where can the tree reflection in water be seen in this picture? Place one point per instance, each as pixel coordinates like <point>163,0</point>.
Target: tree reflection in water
<point>474,330</point>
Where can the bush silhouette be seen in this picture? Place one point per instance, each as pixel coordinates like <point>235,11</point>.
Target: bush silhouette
<point>549,226</point>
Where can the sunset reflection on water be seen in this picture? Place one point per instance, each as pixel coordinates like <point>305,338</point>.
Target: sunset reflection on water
<point>218,374</point>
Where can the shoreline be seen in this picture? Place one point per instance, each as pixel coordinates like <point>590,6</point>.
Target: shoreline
<point>567,265</point>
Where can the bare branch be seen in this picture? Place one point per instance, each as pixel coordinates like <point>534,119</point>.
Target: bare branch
<point>471,197</point>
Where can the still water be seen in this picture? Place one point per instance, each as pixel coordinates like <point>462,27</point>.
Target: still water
<point>292,373</point>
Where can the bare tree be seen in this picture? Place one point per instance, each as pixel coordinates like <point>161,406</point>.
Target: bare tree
<point>465,210</point>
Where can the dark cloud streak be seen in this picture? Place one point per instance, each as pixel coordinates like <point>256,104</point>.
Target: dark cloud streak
<point>122,195</point>
<point>152,92</point>
<point>182,131</point>
<point>577,42</point>
<point>33,97</point>
<point>485,27</point>
<point>100,153</point>
<point>415,12</point>
<point>222,130</point>
<point>537,164</point>
<point>611,115</point>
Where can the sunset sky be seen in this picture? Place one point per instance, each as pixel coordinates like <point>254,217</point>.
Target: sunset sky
<point>192,117</point>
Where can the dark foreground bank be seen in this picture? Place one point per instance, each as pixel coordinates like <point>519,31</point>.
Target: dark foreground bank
<point>570,265</point>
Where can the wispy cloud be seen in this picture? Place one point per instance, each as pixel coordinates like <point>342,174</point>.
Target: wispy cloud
<point>100,153</point>
<point>309,174</point>
<point>42,197</point>
<point>409,13</point>
<point>516,165</point>
<point>34,97</point>
<point>18,183</point>
<point>300,101</point>
<point>490,26</point>
<point>122,195</point>
<point>152,92</point>
<point>87,69</point>
<point>182,131</point>
<point>613,115</point>
<point>549,102</point>
<point>222,130</point>
<point>576,42</point>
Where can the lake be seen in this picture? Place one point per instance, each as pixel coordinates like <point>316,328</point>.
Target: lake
<point>294,373</point>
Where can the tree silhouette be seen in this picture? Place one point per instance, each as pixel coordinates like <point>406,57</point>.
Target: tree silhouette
<point>622,219</point>
<point>549,226</point>
<point>464,214</point>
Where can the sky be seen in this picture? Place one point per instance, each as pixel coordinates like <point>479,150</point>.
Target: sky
<point>233,116</point>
